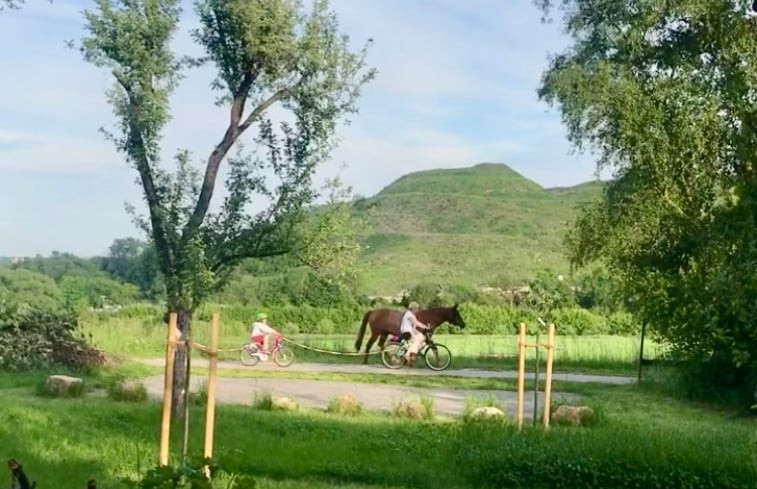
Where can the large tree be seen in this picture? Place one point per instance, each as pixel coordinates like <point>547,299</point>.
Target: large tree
<point>664,92</point>
<point>266,53</point>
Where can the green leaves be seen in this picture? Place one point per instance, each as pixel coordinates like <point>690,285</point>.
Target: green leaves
<point>664,92</point>
<point>131,40</point>
<point>266,52</point>
<point>329,243</point>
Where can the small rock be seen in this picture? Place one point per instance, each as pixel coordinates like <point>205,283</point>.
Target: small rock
<point>285,404</point>
<point>62,385</point>
<point>487,412</point>
<point>575,415</point>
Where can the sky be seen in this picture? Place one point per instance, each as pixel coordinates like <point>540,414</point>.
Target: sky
<point>456,86</point>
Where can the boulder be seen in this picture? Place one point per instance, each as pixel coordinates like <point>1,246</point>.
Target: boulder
<point>573,415</point>
<point>64,385</point>
<point>487,412</point>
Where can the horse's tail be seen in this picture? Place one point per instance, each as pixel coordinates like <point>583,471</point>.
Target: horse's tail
<point>361,333</point>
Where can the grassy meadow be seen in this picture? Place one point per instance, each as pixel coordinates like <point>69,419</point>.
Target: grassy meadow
<point>64,442</point>
<point>469,225</point>
<point>600,353</point>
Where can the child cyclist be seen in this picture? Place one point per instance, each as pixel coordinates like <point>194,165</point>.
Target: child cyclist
<point>262,332</point>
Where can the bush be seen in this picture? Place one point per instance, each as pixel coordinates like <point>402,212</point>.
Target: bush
<point>622,323</point>
<point>192,476</point>
<point>410,408</point>
<point>32,338</point>
<point>425,294</point>
<point>578,321</point>
<point>346,404</point>
<point>263,401</point>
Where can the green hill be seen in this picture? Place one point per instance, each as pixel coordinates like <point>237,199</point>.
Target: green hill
<point>482,225</point>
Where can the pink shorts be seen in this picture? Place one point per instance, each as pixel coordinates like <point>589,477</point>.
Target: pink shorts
<point>258,338</point>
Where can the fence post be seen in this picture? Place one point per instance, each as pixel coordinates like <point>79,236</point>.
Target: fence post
<point>210,410</point>
<point>165,428</point>
<point>548,379</point>
<point>521,371</point>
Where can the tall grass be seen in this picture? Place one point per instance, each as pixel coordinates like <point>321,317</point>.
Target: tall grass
<point>600,353</point>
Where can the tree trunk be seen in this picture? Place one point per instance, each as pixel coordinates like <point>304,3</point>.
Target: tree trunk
<point>180,371</point>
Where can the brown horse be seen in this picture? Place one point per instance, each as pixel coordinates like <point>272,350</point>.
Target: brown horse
<point>386,321</point>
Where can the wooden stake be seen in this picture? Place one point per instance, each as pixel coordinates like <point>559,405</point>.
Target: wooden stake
<point>210,411</point>
<point>165,428</point>
<point>548,379</point>
<point>521,372</point>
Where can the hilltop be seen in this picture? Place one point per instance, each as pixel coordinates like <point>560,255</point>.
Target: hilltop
<point>484,224</point>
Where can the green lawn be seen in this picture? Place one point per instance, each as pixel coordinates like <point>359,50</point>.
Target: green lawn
<point>64,442</point>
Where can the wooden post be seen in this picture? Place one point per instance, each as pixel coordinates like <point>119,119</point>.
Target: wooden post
<point>521,371</point>
<point>210,411</point>
<point>165,428</point>
<point>641,349</point>
<point>548,379</point>
<point>536,379</point>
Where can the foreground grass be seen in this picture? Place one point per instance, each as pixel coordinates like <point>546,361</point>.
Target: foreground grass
<point>598,354</point>
<point>63,442</point>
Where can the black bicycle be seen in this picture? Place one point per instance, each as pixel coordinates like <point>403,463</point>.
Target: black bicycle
<point>436,355</point>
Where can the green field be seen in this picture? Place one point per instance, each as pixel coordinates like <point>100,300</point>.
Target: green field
<point>64,442</point>
<point>612,354</point>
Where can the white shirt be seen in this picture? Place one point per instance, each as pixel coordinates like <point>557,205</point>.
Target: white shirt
<point>259,328</point>
<point>407,324</point>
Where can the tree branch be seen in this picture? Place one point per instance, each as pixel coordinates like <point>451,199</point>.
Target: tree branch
<point>255,114</point>
<point>214,161</point>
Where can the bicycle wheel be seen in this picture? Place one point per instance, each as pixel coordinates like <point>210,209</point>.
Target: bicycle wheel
<point>438,357</point>
<point>247,356</point>
<point>393,356</point>
<point>283,356</point>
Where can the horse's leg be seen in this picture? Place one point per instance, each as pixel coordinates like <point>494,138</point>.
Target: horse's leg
<point>382,341</point>
<point>368,346</point>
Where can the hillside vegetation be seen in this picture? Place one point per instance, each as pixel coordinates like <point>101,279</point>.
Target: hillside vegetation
<point>481,225</point>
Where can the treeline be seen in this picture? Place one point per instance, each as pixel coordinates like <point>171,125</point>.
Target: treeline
<point>344,318</point>
<point>300,301</point>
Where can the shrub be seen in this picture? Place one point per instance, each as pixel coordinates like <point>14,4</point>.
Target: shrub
<point>622,323</point>
<point>410,408</point>
<point>32,338</point>
<point>191,476</point>
<point>425,294</point>
<point>346,404</point>
<point>263,401</point>
<point>575,320</point>
<point>200,396</point>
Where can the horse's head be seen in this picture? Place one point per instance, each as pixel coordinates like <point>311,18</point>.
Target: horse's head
<point>454,317</point>
<point>438,315</point>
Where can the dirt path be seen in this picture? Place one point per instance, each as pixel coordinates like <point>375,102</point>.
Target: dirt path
<point>418,370</point>
<point>316,393</point>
